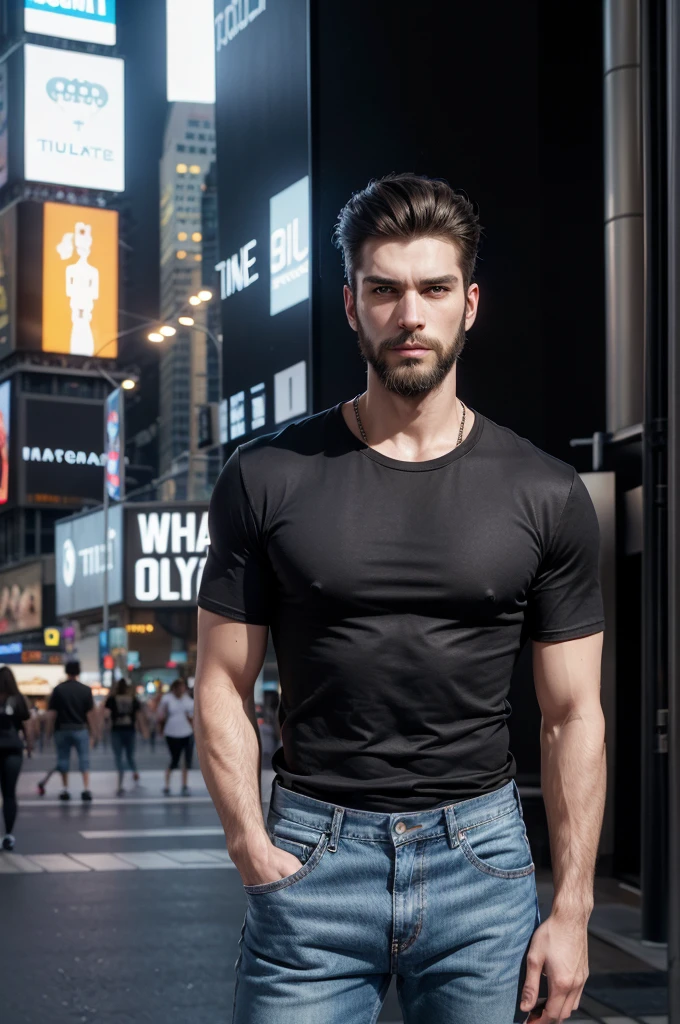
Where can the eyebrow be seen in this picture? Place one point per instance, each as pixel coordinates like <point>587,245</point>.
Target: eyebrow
<point>427,282</point>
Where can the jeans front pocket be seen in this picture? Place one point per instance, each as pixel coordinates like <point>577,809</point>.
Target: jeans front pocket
<point>498,847</point>
<point>308,845</point>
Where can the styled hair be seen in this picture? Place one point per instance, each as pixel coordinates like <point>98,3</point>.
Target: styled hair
<point>176,685</point>
<point>8,684</point>
<point>407,206</point>
<point>72,668</point>
<point>122,688</point>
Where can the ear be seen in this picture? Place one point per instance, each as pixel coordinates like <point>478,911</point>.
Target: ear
<point>471,306</point>
<point>350,306</point>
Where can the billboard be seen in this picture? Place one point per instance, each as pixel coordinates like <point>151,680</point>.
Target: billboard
<point>261,113</point>
<point>60,452</point>
<point>165,552</point>
<point>190,51</point>
<point>21,599</point>
<point>5,421</point>
<point>115,464</point>
<point>80,556</point>
<point>80,280</point>
<point>74,119</point>
<point>87,21</point>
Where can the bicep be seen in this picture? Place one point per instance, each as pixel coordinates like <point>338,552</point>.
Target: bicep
<point>229,652</point>
<point>567,676</point>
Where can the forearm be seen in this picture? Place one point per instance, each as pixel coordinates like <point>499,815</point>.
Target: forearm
<point>573,779</point>
<point>229,752</point>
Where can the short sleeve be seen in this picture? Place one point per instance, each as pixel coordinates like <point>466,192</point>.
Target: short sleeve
<point>237,578</point>
<point>53,703</point>
<point>110,703</point>
<point>564,600</point>
<point>89,700</point>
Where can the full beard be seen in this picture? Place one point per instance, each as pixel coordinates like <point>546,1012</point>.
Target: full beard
<point>410,378</point>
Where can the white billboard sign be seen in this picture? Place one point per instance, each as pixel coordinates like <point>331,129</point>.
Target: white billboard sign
<point>87,21</point>
<point>191,51</point>
<point>74,120</point>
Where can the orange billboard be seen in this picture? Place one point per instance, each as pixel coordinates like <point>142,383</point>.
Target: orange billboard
<point>80,280</point>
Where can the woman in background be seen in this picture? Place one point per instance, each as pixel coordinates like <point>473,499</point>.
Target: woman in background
<point>176,719</point>
<point>15,728</point>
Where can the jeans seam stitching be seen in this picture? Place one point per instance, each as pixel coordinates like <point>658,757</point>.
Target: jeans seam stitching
<point>480,865</point>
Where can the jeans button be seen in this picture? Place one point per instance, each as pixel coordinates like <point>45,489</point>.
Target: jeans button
<point>400,827</point>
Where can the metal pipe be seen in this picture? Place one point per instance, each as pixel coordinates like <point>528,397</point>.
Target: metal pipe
<point>654,817</point>
<point>624,214</point>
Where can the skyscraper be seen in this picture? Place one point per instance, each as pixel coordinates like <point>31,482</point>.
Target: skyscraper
<point>188,151</point>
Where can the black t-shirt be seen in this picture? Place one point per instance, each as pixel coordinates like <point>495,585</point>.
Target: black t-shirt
<point>123,710</point>
<point>399,595</point>
<point>71,700</point>
<point>13,713</point>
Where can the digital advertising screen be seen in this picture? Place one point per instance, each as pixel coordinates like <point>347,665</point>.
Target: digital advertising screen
<point>74,119</point>
<point>87,21</point>
<point>61,457</point>
<point>80,280</point>
<point>21,599</point>
<point>263,206</point>
<point>115,466</point>
<point>5,426</point>
<point>165,551</point>
<point>190,51</point>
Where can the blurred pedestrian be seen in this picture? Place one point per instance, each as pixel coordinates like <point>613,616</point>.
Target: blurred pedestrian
<point>176,720</point>
<point>15,729</point>
<point>73,716</point>
<point>151,721</point>
<point>123,709</point>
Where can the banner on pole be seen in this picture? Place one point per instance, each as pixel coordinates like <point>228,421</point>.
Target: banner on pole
<point>115,465</point>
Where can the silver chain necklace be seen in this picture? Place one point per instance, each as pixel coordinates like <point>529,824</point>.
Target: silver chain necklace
<point>363,432</point>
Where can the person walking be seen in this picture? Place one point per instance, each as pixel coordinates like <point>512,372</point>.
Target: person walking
<point>176,722</point>
<point>402,547</point>
<point>74,720</point>
<point>123,710</point>
<point>15,732</point>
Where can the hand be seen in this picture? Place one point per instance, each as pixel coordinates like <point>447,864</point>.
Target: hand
<point>270,866</point>
<point>559,949</point>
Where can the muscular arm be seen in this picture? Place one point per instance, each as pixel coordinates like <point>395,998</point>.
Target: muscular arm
<point>230,656</point>
<point>573,780</point>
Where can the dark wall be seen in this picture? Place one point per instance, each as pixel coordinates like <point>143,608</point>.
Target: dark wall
<point>505,102</point>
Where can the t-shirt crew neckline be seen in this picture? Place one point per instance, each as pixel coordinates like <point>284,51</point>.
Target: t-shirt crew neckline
<point>416,467</point>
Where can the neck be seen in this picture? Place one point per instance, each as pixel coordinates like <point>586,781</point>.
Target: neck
<point>411,429</point>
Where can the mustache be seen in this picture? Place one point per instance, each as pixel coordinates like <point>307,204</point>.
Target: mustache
<point>416,340</point>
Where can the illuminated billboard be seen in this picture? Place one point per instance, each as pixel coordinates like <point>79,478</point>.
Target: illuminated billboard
<point>5,420</point>
<point>74,119</point>
<point>8,221</point>
<point>87,21</point>
<point>21,599</point>
<point>80,280</point>
<point>60,458</point>
<point>190,51</point>
<point>4,168</point>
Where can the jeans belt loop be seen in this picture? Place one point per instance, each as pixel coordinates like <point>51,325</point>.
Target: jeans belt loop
<point>338,815</point>
<point>451,826</point>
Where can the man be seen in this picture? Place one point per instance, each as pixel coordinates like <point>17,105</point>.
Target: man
<point>402,547</point>
<point>73,718</point>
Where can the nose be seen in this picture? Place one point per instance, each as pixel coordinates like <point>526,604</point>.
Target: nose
<point>411,313</point>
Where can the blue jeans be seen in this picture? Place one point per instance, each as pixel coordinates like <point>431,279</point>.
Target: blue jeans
<point>65,739</point>
<point>123,742</point>
<point>445,899</point>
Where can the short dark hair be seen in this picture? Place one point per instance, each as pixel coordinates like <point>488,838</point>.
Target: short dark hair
<point>72,668</point>
<point>408,206</point>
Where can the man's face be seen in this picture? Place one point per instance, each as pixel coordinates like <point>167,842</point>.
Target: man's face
<point>410,311</point>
